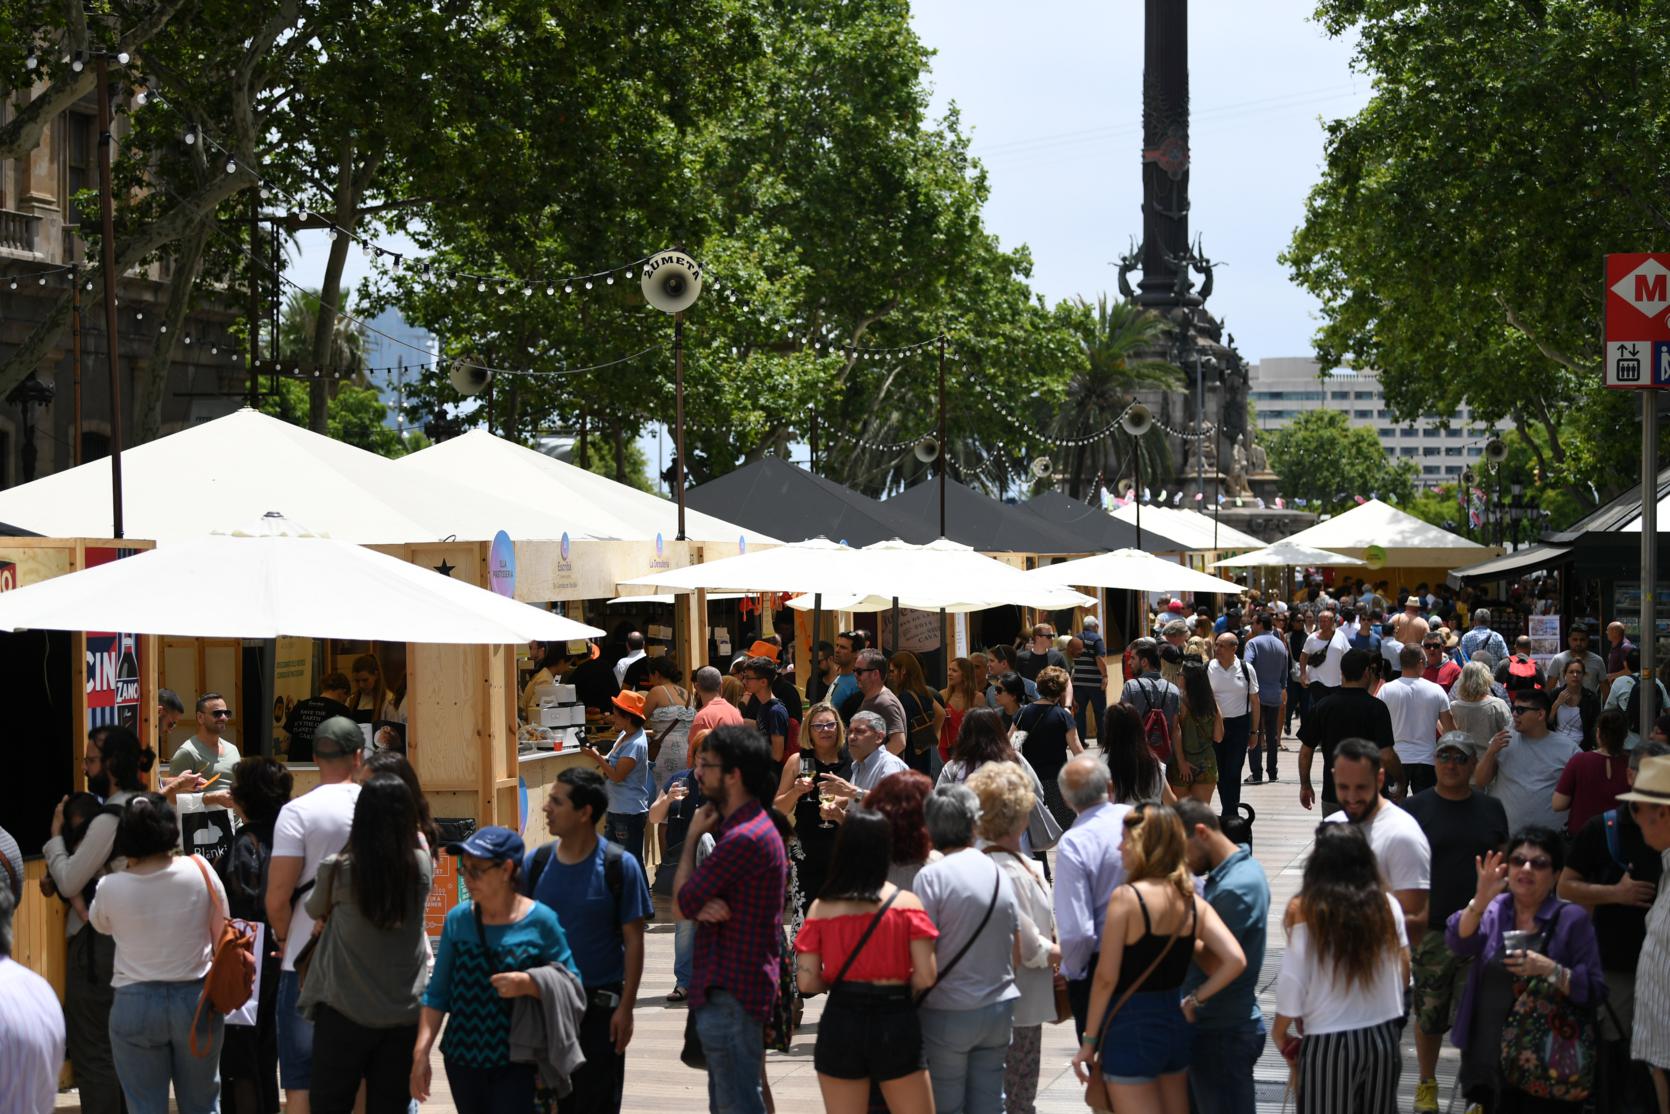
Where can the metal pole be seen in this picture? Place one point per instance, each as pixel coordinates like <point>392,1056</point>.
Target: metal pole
<point>1136,448</point>
<point>814,441</point>
<point>941,459</point>
<point>895,624</point>
<point>1217,439</point>
<point>1649,561</point>
<point>108,250</point>
<point>75,360</point>
<point>678,416</point>
<point>1200,419</point>
<point>255,305</point>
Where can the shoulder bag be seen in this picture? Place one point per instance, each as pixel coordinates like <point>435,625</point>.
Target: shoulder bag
<point>1096,1091</point>
<point>230,980</point>
<point>1548,1041</point>
<point>997,882</point>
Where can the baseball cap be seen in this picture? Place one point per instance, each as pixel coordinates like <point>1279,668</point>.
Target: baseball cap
<point>337,737</point>
<point>1457,740</point>
<point>492,842</point>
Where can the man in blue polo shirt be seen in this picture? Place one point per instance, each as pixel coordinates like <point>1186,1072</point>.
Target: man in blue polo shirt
<point>599,894</point>
<point>1230,1027</point>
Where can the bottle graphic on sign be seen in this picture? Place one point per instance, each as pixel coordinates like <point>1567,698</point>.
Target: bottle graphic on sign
<point>127,685</point>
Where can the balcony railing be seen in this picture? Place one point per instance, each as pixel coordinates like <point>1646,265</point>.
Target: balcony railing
<point>17,231</point>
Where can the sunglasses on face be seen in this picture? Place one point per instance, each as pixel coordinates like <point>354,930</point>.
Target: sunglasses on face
<point>1521,709</point>
<point>222,714</point>
<point>1450,757</point>
<point>1535,862</point>
<point>827,725</point>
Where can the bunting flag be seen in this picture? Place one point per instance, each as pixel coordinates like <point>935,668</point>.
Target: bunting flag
<point>1360,500</point>
<point>1199,495</point>
<point>1281,504</point>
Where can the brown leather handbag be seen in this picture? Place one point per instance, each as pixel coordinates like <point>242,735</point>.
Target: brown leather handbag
<point>230,981</point>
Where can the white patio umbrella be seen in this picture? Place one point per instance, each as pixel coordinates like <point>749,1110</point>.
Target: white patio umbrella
<point>1132,570</point>
<point>940,574</point>
<point>278,580</point>
<point>1285,553</point>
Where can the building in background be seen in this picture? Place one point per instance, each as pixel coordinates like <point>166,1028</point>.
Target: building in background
<point>1284,387</point>
<point>396,352</point>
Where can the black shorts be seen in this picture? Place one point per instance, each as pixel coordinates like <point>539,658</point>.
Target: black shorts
<point>869,1032</point>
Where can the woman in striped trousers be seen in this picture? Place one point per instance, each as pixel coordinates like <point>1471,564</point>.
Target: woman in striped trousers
<point>1342,979</point>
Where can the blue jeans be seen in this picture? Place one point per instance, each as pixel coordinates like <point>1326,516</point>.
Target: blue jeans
<point>508,1087</point>
<point>1095,697</point>
<point>734,1043</point>
<point>1221,1070</point>
<point>628,831</point>
<point>684,953</point>
<point>966,1050</point>
<point>150,1041</point>
<point>295,1037</point>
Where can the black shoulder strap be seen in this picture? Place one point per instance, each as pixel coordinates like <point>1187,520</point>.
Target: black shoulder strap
<point>614,876</point>
<point>862,940</point>
<point>541,860</point>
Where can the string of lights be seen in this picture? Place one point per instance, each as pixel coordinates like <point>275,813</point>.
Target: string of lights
<point>40,276</point>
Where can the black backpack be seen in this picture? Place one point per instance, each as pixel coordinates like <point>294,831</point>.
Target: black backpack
<point>1632,702</point>
<point>614,874</point>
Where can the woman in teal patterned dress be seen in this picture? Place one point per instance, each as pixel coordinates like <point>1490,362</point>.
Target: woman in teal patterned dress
<point>486,949</point>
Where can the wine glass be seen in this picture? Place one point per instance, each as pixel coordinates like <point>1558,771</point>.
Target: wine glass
<point>826,798</point>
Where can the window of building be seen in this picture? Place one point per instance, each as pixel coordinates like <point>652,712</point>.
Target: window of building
<point>81,153</point>
<point>1366,415</point>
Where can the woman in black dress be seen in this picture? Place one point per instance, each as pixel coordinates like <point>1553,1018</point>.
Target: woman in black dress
<point>823,750</point>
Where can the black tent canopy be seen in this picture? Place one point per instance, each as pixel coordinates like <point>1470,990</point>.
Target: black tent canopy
<point>788,502</point>
<point>988,524</point>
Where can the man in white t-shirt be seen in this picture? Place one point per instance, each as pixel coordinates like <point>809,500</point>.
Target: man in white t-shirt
<point>1420,713</point>
<point>1329,641</point>
<point>1400,847</point>
<point>309,828</point>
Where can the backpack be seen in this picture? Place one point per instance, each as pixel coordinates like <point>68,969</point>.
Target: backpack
<point>1155,727</point>
<point>614,874</point>
<point>1632,702</point>
<point>1521,674</point>
<point>230,982</point>
<point>1614,844</point>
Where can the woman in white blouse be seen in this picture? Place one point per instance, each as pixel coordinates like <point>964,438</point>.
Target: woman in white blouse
<point>1006,799</point>
<point>165,914</point>
<point>1343,974</point>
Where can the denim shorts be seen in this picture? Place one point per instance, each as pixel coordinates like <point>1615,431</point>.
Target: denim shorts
<point>295,1037</point>
<point>1149,1038</point>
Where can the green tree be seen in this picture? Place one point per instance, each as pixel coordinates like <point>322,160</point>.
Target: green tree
<point>1328,463</point>
<point>1456,236</point>
<point>1117,339</point>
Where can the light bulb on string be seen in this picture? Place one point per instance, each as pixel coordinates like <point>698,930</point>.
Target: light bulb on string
<point>122,57</point>
<point>588,284</point>
<point>611,280</point>
<point>480,287</point>
<point>498,288</point>
<point>231,166</point>
<point>527,291</point>
<point>190,137</point>
<point>78,63</point>
<point>568,288</point>
<point>31,62</point>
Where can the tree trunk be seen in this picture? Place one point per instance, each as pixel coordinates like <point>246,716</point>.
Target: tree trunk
<point>345,216</point>
<point>619,434</point>
<point>153,383</point>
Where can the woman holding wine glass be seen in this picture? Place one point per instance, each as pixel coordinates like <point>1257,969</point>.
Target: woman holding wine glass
<point>823,750</point>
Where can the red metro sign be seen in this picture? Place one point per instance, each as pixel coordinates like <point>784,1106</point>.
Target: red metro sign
<point>1638,320</point>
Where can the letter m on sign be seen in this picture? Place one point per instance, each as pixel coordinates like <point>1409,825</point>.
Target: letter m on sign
<point>1652,288</point>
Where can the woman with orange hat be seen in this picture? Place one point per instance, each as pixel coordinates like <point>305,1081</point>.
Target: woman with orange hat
<point>627,769</point>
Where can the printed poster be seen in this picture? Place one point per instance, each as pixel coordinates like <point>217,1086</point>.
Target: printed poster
<point>113,663</point>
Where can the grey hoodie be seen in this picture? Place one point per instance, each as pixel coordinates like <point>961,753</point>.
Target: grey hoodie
<point>545,1031</point>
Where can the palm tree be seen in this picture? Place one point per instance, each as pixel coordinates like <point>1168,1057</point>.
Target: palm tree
<point>1121,342</point>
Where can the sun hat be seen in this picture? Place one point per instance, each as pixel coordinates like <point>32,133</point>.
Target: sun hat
<point>1652,782</point>
<point>630,702</point>
<point>764,649</point>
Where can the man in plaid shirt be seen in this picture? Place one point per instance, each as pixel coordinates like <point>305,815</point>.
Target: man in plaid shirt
<point>736,898</point>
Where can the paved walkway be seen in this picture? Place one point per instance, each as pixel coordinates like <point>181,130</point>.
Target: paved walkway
<point>657,1082</point>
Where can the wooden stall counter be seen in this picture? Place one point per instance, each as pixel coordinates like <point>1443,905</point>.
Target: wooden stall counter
<point>538,770</point>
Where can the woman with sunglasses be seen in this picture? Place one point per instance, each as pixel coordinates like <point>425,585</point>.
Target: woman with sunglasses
<point>823,750</point>
<point>487,949</point>
<point>1557,943</point>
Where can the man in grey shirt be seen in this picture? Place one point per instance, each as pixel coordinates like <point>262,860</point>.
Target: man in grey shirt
<point>870,760</point>
<point>1524,762</point>
<point>966,1017</point>
<point>1577,649</point>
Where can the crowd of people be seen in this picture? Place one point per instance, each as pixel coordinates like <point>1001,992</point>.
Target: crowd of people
<point>950,870</point>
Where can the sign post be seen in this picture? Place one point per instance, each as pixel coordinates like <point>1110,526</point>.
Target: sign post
<point>1637,339</point>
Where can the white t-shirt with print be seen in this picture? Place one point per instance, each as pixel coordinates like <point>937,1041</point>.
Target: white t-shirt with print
<point>309,828</point>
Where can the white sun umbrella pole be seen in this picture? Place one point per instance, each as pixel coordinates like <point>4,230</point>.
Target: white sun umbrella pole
<point>227,586</point>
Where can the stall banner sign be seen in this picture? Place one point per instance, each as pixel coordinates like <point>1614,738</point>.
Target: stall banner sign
<point>1545,638</point>
<point>292,680</point>
<point>113,663</point>
<point>445,893</point>
<point>918,631</point>
<point>501,566</point>
<point>1637,314</point>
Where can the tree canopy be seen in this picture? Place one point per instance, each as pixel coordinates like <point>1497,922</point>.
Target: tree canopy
<point>1456,238</point>
<point>1331,464</point>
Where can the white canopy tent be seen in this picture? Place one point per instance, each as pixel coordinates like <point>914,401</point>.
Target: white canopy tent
<point>581,503</point>
<point>1400,540</point>
<point>935,576</point>
<point>1285,554</point>
<point>279,580</point>
<point>1134,571</point>
<point>1196,531</point>
<point>232,470</point>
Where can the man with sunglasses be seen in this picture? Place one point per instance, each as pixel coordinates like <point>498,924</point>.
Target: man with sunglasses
<point>871,671</point>
<point>1649,802</point>
<point>206,753</point>
<point>1460,826</point>
<point>1523,763</point>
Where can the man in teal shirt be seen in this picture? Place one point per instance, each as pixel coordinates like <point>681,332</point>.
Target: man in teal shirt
<point>1230,1027</point>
